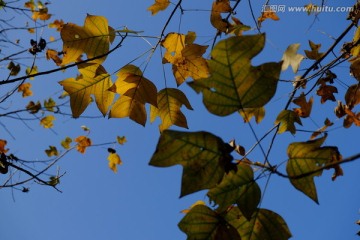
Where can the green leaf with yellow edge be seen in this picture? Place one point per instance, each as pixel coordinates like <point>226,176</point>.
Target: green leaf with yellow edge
<point>248,113</point>
<point>135,91</point>
<point>159,5</point>
<point>121,140</point>
<point>287,119</point>
<point>169,101</point>
<point>305,161</point>
<point>204,157</point>
<point>50,104</point>
<point>234,83</point>
<point>66,143</point>
<point>264,224</point>
<point>47,122</point>
<point>185,56</point>
<point>114,160</point>
<point>93,38</point>
<point>237,187</point>
<point>52,151</point>
<point>202,223</point>
<point>94,80</point>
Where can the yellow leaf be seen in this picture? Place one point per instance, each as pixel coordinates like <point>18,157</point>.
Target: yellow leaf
<point>169,102</point>
<point>292,58</point>
<point>114,160</point>
<point>135,92</point>
<point>52,151</point>
<point>248,113</point>
<point>121,140</point>
<point>41,14</point>
<point>94,80</point>
<point>305,107</point>
<point>93,39</point>
<point>83,143</point>
<point>185,57</point>
<point>2,146</point>
<point>47,122</point>
<point>32,70</point>
<point>25,89</point>
<point>159,5</point>
<point>52,54</point>
<point>66,143</point>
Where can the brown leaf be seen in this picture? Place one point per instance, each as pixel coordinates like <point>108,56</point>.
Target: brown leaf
<point>2,146</point>
<point>355,68</point>
<point>351,118</point>
<point>327,123</point>
<point>327,93</point>
<point>305,107</point>
<point>52,54</point>
<point>352,96</point>
<point>314,53</point>
<point>268,14</point>
<point>218,7</point>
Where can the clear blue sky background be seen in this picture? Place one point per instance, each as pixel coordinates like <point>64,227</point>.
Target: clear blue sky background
<point>142,202</point>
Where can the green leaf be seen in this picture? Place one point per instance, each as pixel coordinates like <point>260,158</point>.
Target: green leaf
<point>308,157</point>
<point>264,224</point>
<point>204,157</point>
<point>202,223</point>
<point>234,83</point>
<point>287,119</point>
<point>237,187</point>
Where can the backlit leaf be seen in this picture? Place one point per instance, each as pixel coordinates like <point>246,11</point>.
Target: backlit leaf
<point>219,7</point>
<point>292,58</point>
<point>66,143</point>
<point>268,14</point>
<point>287,119</point>
<point>33,107</point>
<point>248,113</point>
<point>58,24</point>
<point>185,57</point>
<point>92,39</point>
<point>82,143</point>
<point>47,122</point>
<point>25,89</point>
<point>264,224</point>
<point>352,96</point>
<point>305,107</point>
<point>94,80</point>
<point>235,84</point>
<point>204,157</point>
<point>237,187</point>
<point>50,104</point>
<point>169,101</point>
<point>32,70</point>
<point>308,157</point>
<point>193,205</point>
<point>314,53</point>
<point>326,92</point>
<point>135,91</point>
<point>114,160</point>
<point>159,5</point>
<point>202,223</point>
<point>52,151</point>
<point>121,140</point>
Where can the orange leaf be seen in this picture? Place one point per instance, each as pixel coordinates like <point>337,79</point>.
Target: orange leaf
<point>185,56</point>
<point>52,54</point>
<point>159,5</point>
<point>25,89</point>
<point>305,107</point>
<point>351,118</point>
<point>2,146</point>
<point>83,143</point>
<point>269,14</point>
<point>58,24</point>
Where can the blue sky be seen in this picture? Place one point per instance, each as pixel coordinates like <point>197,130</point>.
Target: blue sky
<point>142,202</point>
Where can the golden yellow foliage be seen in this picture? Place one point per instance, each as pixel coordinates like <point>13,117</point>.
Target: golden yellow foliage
<point>83,143</point>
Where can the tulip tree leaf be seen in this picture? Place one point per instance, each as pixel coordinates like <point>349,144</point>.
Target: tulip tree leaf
<point>204,157</point>
<point>235,84</point>
<point>287,119</point>
<point>308,157</point>
<point>264,224</point>
<point>237,187</point>
<point>202,223</point>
